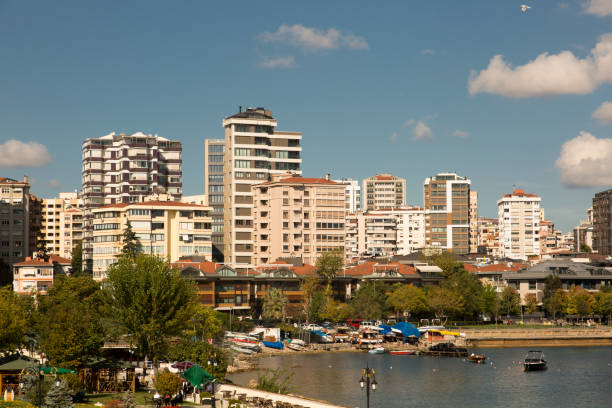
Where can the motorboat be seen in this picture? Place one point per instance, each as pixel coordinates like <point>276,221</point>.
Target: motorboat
<point>476,358</point>
<point>242,350</point>
<point>297,345</point>
<point>402,352</point>
<point>377,350</point>
<point>534,361</point>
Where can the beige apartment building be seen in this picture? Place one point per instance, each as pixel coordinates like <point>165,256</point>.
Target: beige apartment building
<point>383,191</point>
<point>473,222</point>
<point>488,236</point>
<point>254,152</point>
<point>15,242</point>
<point>447,214</point>
<point>297,217</point>
<point>519,225</point>
<point>62,223</point>
<point>170,229</point>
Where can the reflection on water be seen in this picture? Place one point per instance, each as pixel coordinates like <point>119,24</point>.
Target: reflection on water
<point>576,377</point>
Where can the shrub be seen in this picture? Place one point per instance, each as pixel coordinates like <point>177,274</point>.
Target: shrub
<point>168,383</point>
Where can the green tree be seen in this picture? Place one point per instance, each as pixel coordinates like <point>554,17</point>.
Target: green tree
<point>488,301</point>
<point>557,303</point>
<point>407,299</point>
<point>6,273</point>
<point>585,248</point>
<point>510,301</point>
<point>445,260</point>
<point>274,305</point>
<point>579,301</point>
<point>167,383</point>
<point>552,283</point>
<point>58,396</point>
<point>206,323</point>
<point>443,302</point>
<point>370,301</point>
<point>131,244</point>
<point>467,289</point>
<point>76,263</point>
<point>13,321</point>
<point>531,303</point>
<point>201,353</point>
<point>335,311</point>
<point>603,303</point>
<point>69,322</point>
<point>149,302</point>
<point>329,264</point>
<point>42,252</point>
<point>309,287</point>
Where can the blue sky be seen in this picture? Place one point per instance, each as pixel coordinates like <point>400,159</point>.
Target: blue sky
<point>374,87</point>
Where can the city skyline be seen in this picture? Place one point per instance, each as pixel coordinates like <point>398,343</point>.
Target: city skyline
<point>406,100</point>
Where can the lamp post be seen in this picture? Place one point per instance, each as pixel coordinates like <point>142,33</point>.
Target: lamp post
<point>368,379</point>
<point>212,365</point>
<point>37,373</point>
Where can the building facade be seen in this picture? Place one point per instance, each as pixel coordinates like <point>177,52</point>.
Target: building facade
<point>353,194</point>
<point>170,229</point>
<point>36,276</point>
<point>254,151</point>
<point>488,237</point>
<point>447,217</point>
<point>62,223</point>
<point>473,222</point>
<point>214,150</point>
<point>383,191</point>
<point>602,222</point>
<point>297,217</point>
<point>14,220</point>
<point>122,168</point>
<point>518,216</point>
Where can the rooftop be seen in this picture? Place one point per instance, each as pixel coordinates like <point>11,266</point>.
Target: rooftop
<point>252,113</point>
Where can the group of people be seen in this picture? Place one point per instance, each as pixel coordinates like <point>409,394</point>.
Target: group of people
<point>167,399</point>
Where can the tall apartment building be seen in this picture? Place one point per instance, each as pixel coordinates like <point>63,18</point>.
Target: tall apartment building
<point>62,223</point>
<point>602,222</point>
<point>35,207</point>
<point>447,218</point>
<point>352,194</point>
<point>254,151</point>
<point>214,150</point>
<point>519,225</point>
<point>383,191</point>
<point>122,168</point>
<point>473,222</point>
<point>14,220</point>
<point>488,236</point>
<point>297,217</point>
<point>170,229</point>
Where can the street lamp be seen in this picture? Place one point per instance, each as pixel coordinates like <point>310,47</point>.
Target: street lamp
<point>212,364</point>
<point>38,374</point>
<point>368,379</point>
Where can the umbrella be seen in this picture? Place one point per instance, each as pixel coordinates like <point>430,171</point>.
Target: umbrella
<point>183,365</point>
<point>56,370</point>
<point>197,376</point>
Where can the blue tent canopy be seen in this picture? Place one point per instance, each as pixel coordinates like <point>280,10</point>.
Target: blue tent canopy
<point>384,328</point>
<point>406,329</point>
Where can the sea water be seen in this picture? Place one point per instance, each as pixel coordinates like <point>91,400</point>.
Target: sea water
<point>576,377</point>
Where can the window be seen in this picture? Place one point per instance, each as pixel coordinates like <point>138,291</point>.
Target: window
<point>186,225</point>
<point>140,212</point>
<point>243,164</point>
<point>242,152</point>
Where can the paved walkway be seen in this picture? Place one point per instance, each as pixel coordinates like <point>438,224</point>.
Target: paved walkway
<point>274,397</point>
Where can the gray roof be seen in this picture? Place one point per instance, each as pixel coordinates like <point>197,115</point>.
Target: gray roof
<point>563,269</point>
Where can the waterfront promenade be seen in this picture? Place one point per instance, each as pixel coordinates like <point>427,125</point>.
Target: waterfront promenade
<point>543,337</point>
<point>246,394</point>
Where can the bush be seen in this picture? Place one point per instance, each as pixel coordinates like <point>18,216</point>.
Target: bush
<point>168,383</point>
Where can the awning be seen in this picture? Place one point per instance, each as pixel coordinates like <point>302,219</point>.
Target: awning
<point>196,376</point>
<point>56,370</point>
<point>406,329</point>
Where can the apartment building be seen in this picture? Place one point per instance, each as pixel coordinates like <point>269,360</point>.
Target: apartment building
<point>519,225</point>
<point>602,222</point>
<point>383,191</point>
<point>447,212</point>
<point>14,220</point>
<point>352,194</point>
<point>473,222</point>
<point>488,237</point>
<point>583,235</point>
<point>297,217</point>
<point>125,168</point>
<point>36,276</point>
<point>62,223</point>
<point>214,149</point>
<point>548,237</point>
<point>170,229</point>
<point>254,151</point>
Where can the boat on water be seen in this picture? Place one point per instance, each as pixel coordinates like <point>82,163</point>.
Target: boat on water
<point>278,345</point>
<point>534,361</point>
<point>476,358</point>
<point>377,350</point>
<point>402,352</point>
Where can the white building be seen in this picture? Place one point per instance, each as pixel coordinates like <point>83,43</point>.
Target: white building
<point>519,225</point>
<point>62,223</point>
<point>383,191</point>
<point>353,194</point>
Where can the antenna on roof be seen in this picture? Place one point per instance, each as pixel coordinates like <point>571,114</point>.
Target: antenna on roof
<point>240,109</point>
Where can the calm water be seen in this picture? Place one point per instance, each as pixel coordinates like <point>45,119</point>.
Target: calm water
<point>576,377</point>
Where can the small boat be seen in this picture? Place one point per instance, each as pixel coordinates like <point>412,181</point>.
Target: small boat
<point>274,344</point>
<point>534,361</point>
<point>476,358</point>
<point>402,352</point>
<point>242,350</point>
<point>377,350</point>
<point>295,347</point>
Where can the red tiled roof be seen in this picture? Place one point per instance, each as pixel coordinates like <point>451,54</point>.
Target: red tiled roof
<point>367,268</point>
<point>299,270</point>
<point>59,259</point>
<point>384,177</point>
<point>494,267</point>
<point>206,267</point>
<point>519,193</point>
<point>41,262</point>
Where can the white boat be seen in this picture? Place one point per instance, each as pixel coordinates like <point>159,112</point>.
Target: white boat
<point>377,350</point>
<point>242,350</point>
<point>295,347</point>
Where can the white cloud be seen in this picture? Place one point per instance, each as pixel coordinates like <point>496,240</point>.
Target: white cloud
<point>15,153</point>
<point>428,51</point>
<point>393,136</point>
<point>601,8</point>
<point>53,183</point>
<point>409,123</point>
<point>462,134</point>
<point>277,62</point>
<point>604,113</point>
<point>586,161</point>
<point>422,131</point>
<point>548,74</point>
<point>314,39</point>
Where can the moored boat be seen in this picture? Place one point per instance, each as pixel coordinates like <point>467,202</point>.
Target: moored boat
<point>476,358</point>
<point>402,352</point>
<point>242,350</point>
<point>377,350</point>
<point>534,361</point>
<point>273,344</point>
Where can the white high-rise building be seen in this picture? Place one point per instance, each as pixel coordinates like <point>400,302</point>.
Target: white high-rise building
<point>353,194</point>
<point>383,191</point>
<point>62,223</point>
<point>519,225</point>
